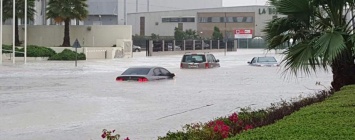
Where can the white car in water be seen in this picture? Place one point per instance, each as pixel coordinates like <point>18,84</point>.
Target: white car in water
<point>136,48</point>
<point>265,61</point>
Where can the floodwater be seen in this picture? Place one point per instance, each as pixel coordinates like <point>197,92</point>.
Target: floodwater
<point>55,100</point>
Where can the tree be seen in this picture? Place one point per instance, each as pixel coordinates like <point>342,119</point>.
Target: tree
<point>19,13</point>
<point>65,11</point>
<point>216,35</point>
<point>179,34</point>
<point>154,36</point>
<point>191,34</point>
<point>322,37</point>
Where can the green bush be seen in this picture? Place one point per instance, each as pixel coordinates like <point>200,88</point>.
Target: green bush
<point>8,49</point>
<point>67,54</point>
<point>37,51</point>
<point>332,119</point>
<point>32,51</point>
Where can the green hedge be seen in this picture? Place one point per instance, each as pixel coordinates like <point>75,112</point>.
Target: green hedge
<point>332,119</point>
<point>67,54</point>
<point>32,51</point>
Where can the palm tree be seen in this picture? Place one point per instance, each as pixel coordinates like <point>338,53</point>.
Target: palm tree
<point>19,13</point>
<point>64,11</point>
<point>322,36</point>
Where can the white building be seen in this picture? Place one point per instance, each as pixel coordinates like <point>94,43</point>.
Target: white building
<point>112,12</point>
<point>203,21</point>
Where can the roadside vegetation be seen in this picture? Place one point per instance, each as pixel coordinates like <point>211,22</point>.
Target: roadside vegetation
<point>67,54</point>
<point>40,51</point>
<point>32,51</point>
<point>332,119</point>
<point>245,120</point>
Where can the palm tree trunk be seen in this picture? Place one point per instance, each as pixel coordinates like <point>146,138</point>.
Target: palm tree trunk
<point>343,69</point>
<point>66,40</point>
<point>17,40</point>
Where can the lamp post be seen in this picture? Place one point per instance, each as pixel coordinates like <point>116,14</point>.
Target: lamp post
<point>125,12</point>
<point>25,40</point>
<point>1,7</point>
<point>225,34</point>
<point>13,30</point>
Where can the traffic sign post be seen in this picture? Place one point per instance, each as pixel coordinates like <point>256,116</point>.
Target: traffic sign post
<point>76,45</point>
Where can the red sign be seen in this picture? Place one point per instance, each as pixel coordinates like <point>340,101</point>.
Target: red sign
<point>243,33</point>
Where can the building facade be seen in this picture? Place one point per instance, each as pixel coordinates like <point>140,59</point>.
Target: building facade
<point>112,12</point>
<point>227,19</point>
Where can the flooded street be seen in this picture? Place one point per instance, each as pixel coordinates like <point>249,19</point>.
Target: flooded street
<point>55,100</point>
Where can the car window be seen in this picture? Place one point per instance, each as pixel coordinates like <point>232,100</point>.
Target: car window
<point>194,58</point>
<point>266,59</point>
<point>209,58</point>
<point>253,60</point>
<point>157,72</point>
<point>164,71</point>
<point>136,71</point>
<point>213,58</point>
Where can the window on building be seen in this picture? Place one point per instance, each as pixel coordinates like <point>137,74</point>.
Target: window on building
<point>202,19</point>
<point>179,19</point>
<point>142,26</point>
<point>224,19</point>
<point>187,19</point>
<point>249,19</point>
<point>229,19</point>
<point>215,19</point>
<point>181,26</point>
<point>221,19</point>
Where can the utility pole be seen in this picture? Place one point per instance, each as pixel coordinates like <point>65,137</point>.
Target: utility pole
<point>25,40</point>
<point>13,30</point>
<point>125,12</point>
<point>1,6</point>
<point>147,5</point>
<point>225,34</point>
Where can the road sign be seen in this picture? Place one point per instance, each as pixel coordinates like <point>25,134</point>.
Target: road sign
<point>243,33</point>
<point>76,44</point>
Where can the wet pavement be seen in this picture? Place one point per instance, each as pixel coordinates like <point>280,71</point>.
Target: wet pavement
<point>55,100</point>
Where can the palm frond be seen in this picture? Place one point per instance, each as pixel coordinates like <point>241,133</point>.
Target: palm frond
<point>329,46</point>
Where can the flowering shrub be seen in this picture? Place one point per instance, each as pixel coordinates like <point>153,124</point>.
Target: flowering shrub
<point>247,119</point>
<point>218,129</point>
<point>108,135</point>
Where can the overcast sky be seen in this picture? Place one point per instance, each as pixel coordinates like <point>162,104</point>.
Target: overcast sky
<point>227,3</point>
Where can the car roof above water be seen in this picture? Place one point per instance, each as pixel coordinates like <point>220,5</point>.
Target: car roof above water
<point>150,67</point>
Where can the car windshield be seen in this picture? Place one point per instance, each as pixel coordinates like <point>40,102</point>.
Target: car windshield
<point>194,58</point>
<point>136,71</point>
<point>266,59</point>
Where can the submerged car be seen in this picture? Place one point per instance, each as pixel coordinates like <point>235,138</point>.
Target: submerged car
<point>136,48</point>
<point>144,74</point>
<point>199,61</point>
<point>265,61</point>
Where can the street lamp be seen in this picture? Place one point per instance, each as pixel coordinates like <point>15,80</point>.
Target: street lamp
<point>25,40</point>
<point>1,6</point>
<point>225,34</point>
<point>13,30</point>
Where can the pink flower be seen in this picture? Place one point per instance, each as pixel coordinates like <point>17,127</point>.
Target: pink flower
<point>234,117</point>
<point>248,126</point>
<point>103,135</point>
<point>126,138</point>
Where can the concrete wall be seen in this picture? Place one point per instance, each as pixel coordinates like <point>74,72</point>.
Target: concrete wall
<point>88,36</point>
